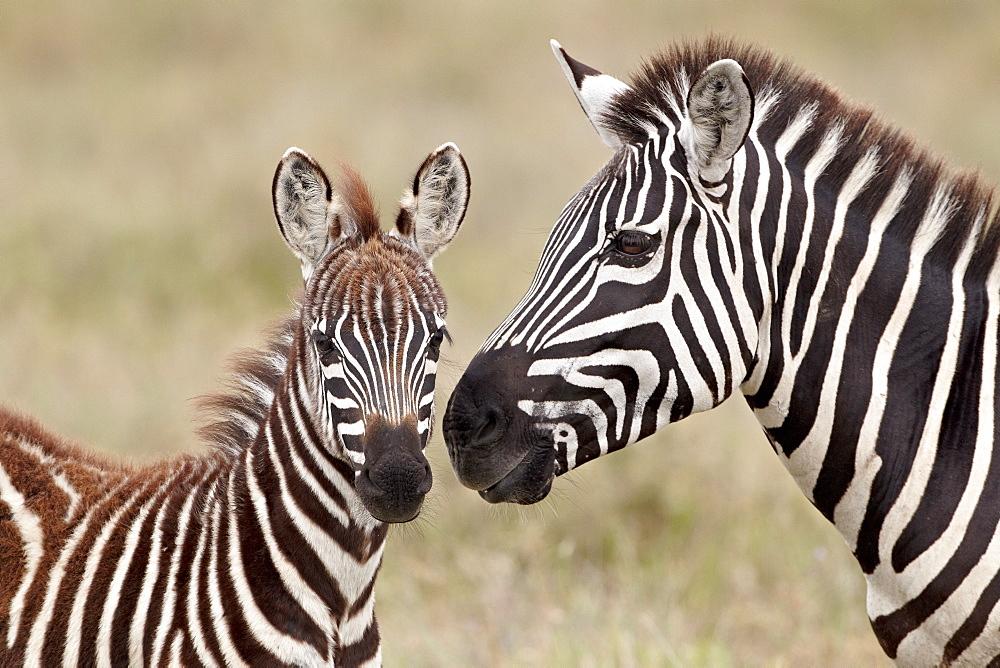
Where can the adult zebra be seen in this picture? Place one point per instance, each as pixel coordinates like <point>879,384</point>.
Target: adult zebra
<point>754,231</point>
<point>265,551</point>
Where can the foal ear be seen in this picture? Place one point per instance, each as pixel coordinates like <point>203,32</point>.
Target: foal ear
<point>719,115</point>
<point>431,213</point>
<point>594,91</point>
<point>305,208</point>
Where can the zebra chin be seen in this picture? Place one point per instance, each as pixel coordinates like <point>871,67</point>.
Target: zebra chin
<point>396,476</point>
<point>530,481</point>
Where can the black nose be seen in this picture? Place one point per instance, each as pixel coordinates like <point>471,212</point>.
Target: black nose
<point>492,424</point>
<point>399,478</point>
<point>393,489</point>
<point>395,477</point>
<point>479,421</point>
<point>474,426</point>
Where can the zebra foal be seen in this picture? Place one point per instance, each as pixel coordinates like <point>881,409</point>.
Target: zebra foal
<point>265,550</point>
<point>754,232</point>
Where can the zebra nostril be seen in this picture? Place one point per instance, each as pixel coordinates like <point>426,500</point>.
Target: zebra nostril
<point>491,426</point>
<point>428,480</point>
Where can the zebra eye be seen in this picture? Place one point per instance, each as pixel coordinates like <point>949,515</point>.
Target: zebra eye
<point>633,242</point>
<point>436,339</point>
<point>324,346</point>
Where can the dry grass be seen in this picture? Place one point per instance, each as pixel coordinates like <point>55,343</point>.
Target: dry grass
<point>137,250</point>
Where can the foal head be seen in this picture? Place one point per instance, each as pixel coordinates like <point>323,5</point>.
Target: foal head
<point>372,318</point>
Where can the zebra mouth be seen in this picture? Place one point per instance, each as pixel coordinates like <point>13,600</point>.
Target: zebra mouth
<point>528,482</point>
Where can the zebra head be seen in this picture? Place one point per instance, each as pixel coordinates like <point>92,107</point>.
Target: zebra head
<point>635,317</point>
<point>372,318</point>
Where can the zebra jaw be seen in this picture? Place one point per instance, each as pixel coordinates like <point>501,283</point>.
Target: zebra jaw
<point>530,480</point>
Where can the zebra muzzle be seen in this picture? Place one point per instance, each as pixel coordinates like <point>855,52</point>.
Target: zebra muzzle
<point>486,434</point>
<point>396,476</point>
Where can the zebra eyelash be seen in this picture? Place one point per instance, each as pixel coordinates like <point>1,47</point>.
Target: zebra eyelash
<point>619,242</point>
<point>442,334</point>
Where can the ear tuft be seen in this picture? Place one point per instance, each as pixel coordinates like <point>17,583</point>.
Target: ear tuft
<point>432,212</point>
<point>719,115</point>
<point>594,91</point>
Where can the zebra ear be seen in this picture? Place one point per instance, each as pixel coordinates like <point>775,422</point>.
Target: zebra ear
<point>594,91</point>
<point>431,213</point>
<point>305,208</point>
<point>719,115</point>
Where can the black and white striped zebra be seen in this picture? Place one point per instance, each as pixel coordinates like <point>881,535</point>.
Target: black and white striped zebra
<point>265,551</point>
<point>756,232</point>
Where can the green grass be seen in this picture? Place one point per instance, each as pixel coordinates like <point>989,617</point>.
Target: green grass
<point>137,251</point>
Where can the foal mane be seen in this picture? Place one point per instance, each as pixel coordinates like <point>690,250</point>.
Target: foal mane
<point>782,89</point>
<point>235,414</point>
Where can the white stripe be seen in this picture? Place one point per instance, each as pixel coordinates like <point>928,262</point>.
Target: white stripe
<point>335,511</point>
<point>113,596</point>
<point>283,647</point>
<point>762,331</point>
<point>954,610</point>
<point>220,625</point>
<point>293,583</point>
<point>352,630</point>
<point>351,428</point>
<point>807,459</point>
<point>74,631</point>
<point>351,576</point>
<point>170,593</point>
<point>920,572</point>
<point>782,147</point>
<point>36,641</point>
<point>849,512</point>
<point>174,661</point>
<point>193,626</point>
<point>150,577</point>
<point>30,529</point>
<point>63,483</point>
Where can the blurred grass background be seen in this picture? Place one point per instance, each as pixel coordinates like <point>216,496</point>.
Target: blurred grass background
<point>138,250</point>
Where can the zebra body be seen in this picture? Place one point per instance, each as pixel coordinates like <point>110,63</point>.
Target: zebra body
<point>129,567</point>
<point>755,232</point>
<point>265,550</point>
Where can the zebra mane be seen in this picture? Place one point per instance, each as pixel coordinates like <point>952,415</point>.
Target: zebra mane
<point>235,414</point>
<point>783,90</point>
<point>358,202</point>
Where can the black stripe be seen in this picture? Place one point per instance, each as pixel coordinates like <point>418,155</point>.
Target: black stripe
<point>361,651</point>
<point>132,584</point>
<point>974,624</point>
<point>956,443</point>
<point>911,381</point>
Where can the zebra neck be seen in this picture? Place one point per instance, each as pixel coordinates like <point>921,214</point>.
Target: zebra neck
<point>878,377</point>
<point>301,505</point>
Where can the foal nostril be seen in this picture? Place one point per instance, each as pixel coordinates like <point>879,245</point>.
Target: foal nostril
<point>428,480</point>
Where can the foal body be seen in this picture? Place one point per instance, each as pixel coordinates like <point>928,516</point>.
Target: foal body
<point>264,550</point>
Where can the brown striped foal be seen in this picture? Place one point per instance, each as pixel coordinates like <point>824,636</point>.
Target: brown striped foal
<point>265,550</point>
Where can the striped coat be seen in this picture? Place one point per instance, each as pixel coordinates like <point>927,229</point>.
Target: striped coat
<point>265,550</point>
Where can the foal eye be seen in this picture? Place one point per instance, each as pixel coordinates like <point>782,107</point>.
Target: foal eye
<point>633,242</point>
<point>434,343</point>
<point>436,339</point>
<point>323,343</point>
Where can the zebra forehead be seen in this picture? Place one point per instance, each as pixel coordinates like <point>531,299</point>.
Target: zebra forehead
<point>381,280</point>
